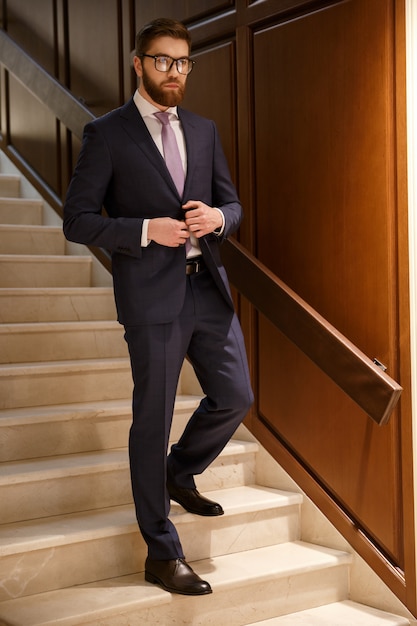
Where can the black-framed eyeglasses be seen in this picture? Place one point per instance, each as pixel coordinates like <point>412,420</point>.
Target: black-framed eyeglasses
<point>163,63</point>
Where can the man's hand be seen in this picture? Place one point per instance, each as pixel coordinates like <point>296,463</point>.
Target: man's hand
<point>168,232</point>
<point>201,219</point>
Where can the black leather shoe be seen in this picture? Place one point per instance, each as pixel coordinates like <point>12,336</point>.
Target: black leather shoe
<point>175,576</point>
<point>193,501</point>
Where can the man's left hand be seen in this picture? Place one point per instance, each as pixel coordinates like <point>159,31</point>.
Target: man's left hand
<point>201,219</point>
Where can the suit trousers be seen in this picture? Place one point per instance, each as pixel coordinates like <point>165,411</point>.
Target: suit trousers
<point>208,333</point>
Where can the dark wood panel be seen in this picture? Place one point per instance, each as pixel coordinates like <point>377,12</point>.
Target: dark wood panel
<point>128,28</point>
<point>325,194</point>
<point>215,73</point>
<point>325,210</point>
<point>32,127</point>
<point>96,75</point>
<point>33,29</point>
<point>259,12</point>
<point>179,9</point>
<point>33,133</point>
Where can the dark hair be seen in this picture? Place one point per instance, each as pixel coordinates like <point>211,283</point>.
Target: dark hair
<point>161,27</point>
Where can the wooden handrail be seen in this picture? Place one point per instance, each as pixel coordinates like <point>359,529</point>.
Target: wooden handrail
<point>356,374</point>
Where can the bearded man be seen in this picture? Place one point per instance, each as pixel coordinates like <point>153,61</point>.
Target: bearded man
<point>161,174</point>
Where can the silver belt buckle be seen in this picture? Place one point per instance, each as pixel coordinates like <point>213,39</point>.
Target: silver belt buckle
<point>193,266</point>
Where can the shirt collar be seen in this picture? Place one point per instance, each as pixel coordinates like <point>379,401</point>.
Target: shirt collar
<point>147,109</point>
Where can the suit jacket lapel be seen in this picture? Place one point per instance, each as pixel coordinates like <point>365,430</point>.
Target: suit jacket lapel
<point>189,136</point>
<point>135,127</point>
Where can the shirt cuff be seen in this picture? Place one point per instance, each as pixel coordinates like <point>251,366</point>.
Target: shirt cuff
<point>219,231</point>
<point>144,242</point>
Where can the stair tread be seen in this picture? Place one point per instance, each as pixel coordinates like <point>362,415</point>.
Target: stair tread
<point>286,559</point>
<point>104,409</point>
<point>20,537</point>
<point>34,470</point>
<point>54,291</point>
<point>4,177</point>
<point>19,200</point>
<point>37,228</point>
<point>52,366</point>
<point>117,596</point>
<point>30,327</point>
<point>53,258</point>
<point>47,303</point>
<point>344,613</point>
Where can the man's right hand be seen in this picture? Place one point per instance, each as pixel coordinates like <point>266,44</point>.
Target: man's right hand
<point>168,232</point>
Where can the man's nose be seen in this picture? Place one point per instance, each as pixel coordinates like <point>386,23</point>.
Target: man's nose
<point>173,69</point>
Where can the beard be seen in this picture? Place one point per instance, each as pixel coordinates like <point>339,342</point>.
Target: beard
<point>166,98</point>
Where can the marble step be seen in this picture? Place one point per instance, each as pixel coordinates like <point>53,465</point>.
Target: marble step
<point>61,382</point>
<point>255,584</point>
<point>61,341</point>
<point>344,613</point>
<point>61,485</point>
<point>20,211</point>
<point>27,270</point>
<point>34,432</point>
<point>58,552</point>
<point>56,304</point>
<point>23,239</point>
<point>9,185</point>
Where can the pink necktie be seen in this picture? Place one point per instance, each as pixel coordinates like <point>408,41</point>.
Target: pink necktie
<point>171,152</point>
<point>172,158</point>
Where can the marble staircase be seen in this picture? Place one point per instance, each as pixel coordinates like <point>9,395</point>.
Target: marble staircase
<point>70,549</point>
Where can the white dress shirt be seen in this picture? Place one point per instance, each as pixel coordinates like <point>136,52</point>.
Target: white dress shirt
<point>147,110</point>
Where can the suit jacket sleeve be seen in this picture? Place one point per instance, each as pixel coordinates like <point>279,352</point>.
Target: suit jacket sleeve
<point>84,221</point>
<point>224,192</point>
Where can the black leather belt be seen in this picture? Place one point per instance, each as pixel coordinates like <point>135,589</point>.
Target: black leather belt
<point>195,265</point>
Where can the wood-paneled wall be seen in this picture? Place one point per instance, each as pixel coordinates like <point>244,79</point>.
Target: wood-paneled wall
<point>309,99</point>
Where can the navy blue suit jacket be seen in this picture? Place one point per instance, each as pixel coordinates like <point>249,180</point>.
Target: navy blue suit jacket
<point>120,168</point>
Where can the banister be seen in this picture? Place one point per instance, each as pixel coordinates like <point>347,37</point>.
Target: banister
<point>356,374</point>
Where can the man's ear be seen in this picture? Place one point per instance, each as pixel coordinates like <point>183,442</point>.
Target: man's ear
<point>137,64</point>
